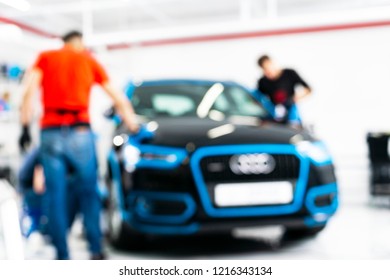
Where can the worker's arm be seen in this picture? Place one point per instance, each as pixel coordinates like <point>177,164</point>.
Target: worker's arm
<point>31,84</point>
<point>301,94</point>
<point>305,91</point>
<point>123,106</point>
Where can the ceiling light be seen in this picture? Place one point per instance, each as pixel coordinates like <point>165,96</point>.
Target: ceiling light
<point>209,99</point>
<point>220,131</point>
<point>21,5</point>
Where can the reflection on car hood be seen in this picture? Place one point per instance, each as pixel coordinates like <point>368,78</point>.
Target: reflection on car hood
<point>179,132</point>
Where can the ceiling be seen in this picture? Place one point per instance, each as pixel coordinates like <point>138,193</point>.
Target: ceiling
<point>103,17</point>
<point>97,16</point>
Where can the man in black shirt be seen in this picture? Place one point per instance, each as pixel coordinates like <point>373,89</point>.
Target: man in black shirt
<point>279,85</point>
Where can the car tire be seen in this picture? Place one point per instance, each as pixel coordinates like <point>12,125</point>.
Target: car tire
<point>120,235</point>
<point>127,239</point>
<point>298,233</point>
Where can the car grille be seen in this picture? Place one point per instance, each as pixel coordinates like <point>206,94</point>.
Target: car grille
<point>178,180</point>
<point>216,169</point>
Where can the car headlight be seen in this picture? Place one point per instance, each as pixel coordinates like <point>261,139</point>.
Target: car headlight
<point>316,151</point>
<point>167,158</point>
<point>147,156</point>
<point>131,156</point>
<point>161,157</point>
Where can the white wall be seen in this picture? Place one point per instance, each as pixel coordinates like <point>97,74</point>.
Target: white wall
<point>348,70</point>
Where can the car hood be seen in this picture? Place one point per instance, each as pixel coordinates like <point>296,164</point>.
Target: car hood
<point>181,132</point>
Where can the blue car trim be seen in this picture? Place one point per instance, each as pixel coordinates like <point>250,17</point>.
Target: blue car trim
<point>263,100</point>
<point>179,153</point>
<point>165,229</point>
<point>293,115</point>
<point>159,196</point>
<point>117,119</point>
<point>319,191</point>
<point>129,90</point>
<point>249,211</point>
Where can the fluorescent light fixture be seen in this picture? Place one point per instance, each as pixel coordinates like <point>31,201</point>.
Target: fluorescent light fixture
<point>216,115</point>
<point>21,5</point>
<point>244,120</point>
<point>220,131</point>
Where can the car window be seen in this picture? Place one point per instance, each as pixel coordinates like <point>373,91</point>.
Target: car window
<point>244,103</point>
<point>222,104</point>
<point>172,105</point>
<point>192,99</point>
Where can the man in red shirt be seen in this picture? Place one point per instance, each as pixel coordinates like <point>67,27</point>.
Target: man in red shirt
<point>65,77</point>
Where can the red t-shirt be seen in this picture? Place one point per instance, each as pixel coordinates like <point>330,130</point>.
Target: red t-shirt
<point>67,79</point>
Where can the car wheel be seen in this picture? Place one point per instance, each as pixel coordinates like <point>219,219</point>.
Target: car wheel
<point>298,233</point>
<point>119,233</point>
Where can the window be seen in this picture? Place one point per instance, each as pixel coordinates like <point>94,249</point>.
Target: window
<point>172,105</point>
<point>196,99</point>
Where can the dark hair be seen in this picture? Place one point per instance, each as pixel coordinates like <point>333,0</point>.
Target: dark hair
<point>72,35</point>
<point>263,59</point>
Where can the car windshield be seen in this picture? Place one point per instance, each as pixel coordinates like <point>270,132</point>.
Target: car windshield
<point>216,101</point>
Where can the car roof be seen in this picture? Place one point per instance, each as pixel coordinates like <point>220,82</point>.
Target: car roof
<point>183,81</point>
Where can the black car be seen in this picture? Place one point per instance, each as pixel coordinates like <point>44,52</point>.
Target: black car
<point>209,159</point>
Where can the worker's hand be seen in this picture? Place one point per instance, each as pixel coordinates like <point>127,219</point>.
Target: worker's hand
<point>123,107</point>
<point>143,134</point>
<point>302,94</point>
<point>39,180</point>
<point>297,98</point>
<point>25,138</point>
<point>134,128</point>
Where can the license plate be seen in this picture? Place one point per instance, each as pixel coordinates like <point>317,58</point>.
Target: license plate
<point>260,232</point>
<point>249,194</point>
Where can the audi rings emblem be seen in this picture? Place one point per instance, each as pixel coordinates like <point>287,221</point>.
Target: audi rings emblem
<point>250,164</point>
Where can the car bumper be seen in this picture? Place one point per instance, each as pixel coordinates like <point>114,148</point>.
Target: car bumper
<point>320,204</point>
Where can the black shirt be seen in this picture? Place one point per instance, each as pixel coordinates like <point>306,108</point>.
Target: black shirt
<point>281,90</point>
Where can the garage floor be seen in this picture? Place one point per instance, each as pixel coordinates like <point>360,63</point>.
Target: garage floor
<point>360,230</point>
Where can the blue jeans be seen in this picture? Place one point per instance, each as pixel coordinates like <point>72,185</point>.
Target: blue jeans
<point>66,151</point>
